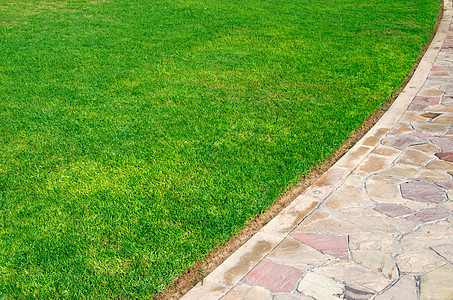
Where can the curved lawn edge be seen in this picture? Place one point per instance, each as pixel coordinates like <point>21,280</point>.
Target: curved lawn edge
<point>387,114</point>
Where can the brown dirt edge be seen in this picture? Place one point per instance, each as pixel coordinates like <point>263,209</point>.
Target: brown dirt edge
<point>184,282</point>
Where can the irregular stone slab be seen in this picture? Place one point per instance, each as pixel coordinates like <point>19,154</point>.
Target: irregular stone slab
<point>419,103</point>
<point>444,144</point>
<point>394,210</point>
<point>431,128</point>
<point>430,115</point>
<point>412,116</point>
<point>357,293</point>
<point>275,277</point>
<point>440,165</point>
<point>402,141</point>
<point>428,175</point>
<point>375,221</point>
<point>400,171</point>
<point>386,151</point>
<point>347,196</point>
<point>446,251</point>
<point>401,129</point>
<point>437,284</point>
<point>429,235</point>
<point>320,287</point>
<point>293,253</point>
<point>327,225</point>
<point>431,92</point>
<point>422,192</point>
<point>245,292</point>
<point>424,136</point>
<point>384,192</point>
<point>331,244</point>
<point>414,157</point>
<point>353,274</point>
<point>430,148</point>
<point>373,242</point>
<point>440,68</point>
<point>355,180</point>
<point>448,184</point>
<point>406,286</point>
<point>429,215</point>
<point>440,108</point>
<point>447,156</point>
<point>373,164</point>
<point>418,261</point>
<point>380,180</point>
<point>381,262</point>
<point>444,119</point>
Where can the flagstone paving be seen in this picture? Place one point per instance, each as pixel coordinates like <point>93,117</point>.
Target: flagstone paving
<point>379,223</point>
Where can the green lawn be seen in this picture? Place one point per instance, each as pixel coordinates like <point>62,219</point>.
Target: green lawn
<point>137,135</point>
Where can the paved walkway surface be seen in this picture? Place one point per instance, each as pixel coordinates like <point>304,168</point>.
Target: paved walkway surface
<point>378,224</point>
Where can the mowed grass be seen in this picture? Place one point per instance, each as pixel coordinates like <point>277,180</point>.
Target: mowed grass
<point>136,136</point>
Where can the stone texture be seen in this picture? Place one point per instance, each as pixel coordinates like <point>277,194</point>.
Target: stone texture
<point>445,251</point>
<point>418,261</point>
<point>384,192</point>
<point>394,210</point>
<point>430,214</point>
<point>375,221</point>
<point>440,108</point>
<point>444,119</point>
<point>381,262</point>
<point>428,235</point>
<point>275,277</point>
<point>320,287</point>
<point>444,144</point>
<point>353,274</point>
<point>357,293</point>
<point>440,165</point>
<point>402,141</point>
<point>431,128</point>
<point>245,292</point>
<point>414,157</point>
<point>422,192</point>
<point>400,171</point>
<point>347,196</point>
<point>336,246</point>
<point>373,242</point>
<point>405,288</point>
<point>326,224</point>
<point>440,68</point>
<point>430,148</point>
<point>437,284</point>
<point>293,253</point>
<point>374,163</point>
<point>447,156</point>
<point>419,103</point>
<point>428,175</point>
<point>295,296</point>
<point>448,184</point>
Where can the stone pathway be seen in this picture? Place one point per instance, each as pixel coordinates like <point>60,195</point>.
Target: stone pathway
<point>378,224</point>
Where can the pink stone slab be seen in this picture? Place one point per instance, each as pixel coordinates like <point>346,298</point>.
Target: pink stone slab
<point>429,215</point>
<point>447,156</point>
<point>422,192</point>
<point>447,184</point>
<point>275,277</point>
<point>422,135</point>
<point>444,144</point>
<point>402,141</point>
<point>393,210</point>
<point>419,103</point>
<point>331,244</point>
<point>440,68</point>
